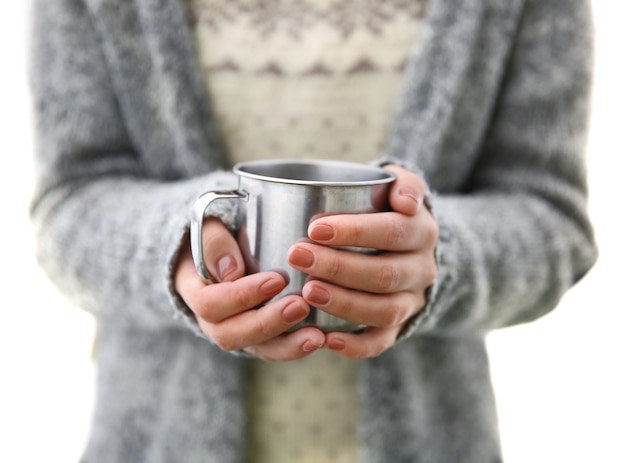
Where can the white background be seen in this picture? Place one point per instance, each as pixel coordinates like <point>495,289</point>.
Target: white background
<point>559,382</point>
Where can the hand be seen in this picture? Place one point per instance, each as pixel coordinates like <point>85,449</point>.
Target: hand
<point>380,291</point>
<point>227,310</point>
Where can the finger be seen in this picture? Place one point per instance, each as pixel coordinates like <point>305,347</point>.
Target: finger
<point>385,231</point>
<point>407,192</point>
<point>219,301</point>
<point>221,252</point>
<point>257,326</point>
<point>370,343</point>
<point>376,310</point>
<point>380,273</point>
<point>186,279</point>
<point>291,346</point>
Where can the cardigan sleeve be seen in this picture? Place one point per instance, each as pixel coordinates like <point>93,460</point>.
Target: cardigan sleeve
<point>107,227</point>
<point>518,236</point>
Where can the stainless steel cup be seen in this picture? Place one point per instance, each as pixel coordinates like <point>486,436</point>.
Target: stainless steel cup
<point>281,198</point>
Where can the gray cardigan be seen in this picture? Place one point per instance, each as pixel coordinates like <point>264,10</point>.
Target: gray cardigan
<point>494,114</point>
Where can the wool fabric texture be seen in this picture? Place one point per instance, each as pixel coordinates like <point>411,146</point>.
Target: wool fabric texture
<point>493,113</point>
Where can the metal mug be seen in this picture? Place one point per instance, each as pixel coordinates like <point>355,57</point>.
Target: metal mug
<point>281,198</point>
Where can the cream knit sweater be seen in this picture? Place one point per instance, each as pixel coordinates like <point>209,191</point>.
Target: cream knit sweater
<point>331,71</point>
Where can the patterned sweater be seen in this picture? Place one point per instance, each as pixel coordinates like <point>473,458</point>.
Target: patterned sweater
<point>330,70</point>
<point>493,111</point>
<point>331,73</point>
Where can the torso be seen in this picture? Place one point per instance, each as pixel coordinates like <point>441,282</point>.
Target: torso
<point>304,79</point>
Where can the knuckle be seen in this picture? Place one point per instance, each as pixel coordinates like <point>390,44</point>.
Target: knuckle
<point>244,297</point>
<point>396,234</point>
<point>223,341</point>
<point>204,311</point>
<point>346,308</point>
<point>213,231</point>
<point>350,310</point>
<point>262,325</point>
<point>334,267</point>
<point>354,230</point>
<point>387,277</point>
<point>391,316</point>
<point>206,314</point>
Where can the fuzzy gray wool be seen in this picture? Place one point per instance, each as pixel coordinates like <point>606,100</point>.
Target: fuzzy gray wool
<point>494,114</point>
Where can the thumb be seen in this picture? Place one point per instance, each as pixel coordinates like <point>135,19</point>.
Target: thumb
<point>221,252</point>
<point>407,192</point>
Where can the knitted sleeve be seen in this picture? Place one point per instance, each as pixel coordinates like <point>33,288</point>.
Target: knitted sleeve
<point>107,226</point>
<point>517,235</point>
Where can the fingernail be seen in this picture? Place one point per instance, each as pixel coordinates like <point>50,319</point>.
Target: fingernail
<point>271,287</point>
<point>226,265</point>
<point>310,346</point>
<point>336,344</point>
<point>322,232</point>
<point>301,257</point>
<point>294,312</point>
<point>318,295</point>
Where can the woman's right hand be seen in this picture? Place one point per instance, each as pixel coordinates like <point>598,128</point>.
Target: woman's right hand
<point>228,311</point>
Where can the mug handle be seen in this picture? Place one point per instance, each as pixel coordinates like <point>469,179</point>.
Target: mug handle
<point>197,218</point>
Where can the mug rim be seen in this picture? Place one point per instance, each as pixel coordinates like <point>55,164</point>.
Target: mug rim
<point>384,175</point>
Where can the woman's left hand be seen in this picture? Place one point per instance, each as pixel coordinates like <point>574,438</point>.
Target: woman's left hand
<point>380,291</point>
